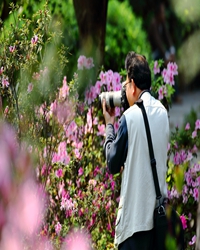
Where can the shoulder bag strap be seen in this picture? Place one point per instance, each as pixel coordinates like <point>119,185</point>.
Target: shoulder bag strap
<point>151,152</point>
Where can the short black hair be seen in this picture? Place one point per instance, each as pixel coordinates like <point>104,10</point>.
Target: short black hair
<point>138,69</point>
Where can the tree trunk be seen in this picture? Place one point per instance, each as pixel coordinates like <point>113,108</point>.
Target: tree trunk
<point>5,9</point>
<point>198,226</point>
<point>91,19</point>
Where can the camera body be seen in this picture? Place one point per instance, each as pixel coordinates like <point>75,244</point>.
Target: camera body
<point>115,98</point>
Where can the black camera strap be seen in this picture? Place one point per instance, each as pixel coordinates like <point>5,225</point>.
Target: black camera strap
<point>151,152</point>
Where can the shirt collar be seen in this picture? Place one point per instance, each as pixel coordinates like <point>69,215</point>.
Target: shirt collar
<point>143,91</point>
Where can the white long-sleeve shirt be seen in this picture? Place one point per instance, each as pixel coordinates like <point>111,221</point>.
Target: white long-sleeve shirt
<point>129,148</point>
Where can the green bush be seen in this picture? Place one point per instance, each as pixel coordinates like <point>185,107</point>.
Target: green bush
<point>123,33</point>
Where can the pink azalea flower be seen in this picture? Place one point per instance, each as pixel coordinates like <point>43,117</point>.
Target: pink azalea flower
<point>116,126</point>
<point>89,63</point>
<point>164,74</point>
<point>77,144</point>
<point>170,79</point>
<point>43,243</point>
<point>77,241</point>
<point>162,92</point>
<point>116,81</point>
<point>66,204</point>
<point>189,156</point>
<point>117,111</point>
<point>34,39</point>
<point>12,49</point>
<point>96,171</point>
<point>196,194</point>
<point>61,189</point>
<point>187,127</point>
<point>112,185</point>
<point>102,76</point>
<point>59,173</point>
<point>53,107</point>
<point>98,87</point>
<point>77,153</point>
<point>194,149</point>
<point>36,76</point>
<point>184,221</point>
<point>188,178</point>
<point>80,171</point>
<point>81,212</point>
<point>109,76</point>
<point>95,121</point>
<point>88,126</point>
<point>194,134</point>
<point>91,94</point>
<point>64,90</point>
<point>30,87</point>
<point>4,82</point>
<point>58,228</point>
<point>108,205</point>
<point>10,239</point>
<point>71,130</point>
<point>183,156</point>
<point>29,202</point>
<point>64,112</point>
<point>101,129</point>
<point>172,68</point>
<point>62,155</point>
<point>156,68</point>
<point>192,242</point>
<point>92,182</point>
<point>197,124</point>
<point>44,169</point>
<point>81,62</point>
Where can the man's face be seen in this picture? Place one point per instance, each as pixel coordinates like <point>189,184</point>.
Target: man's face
<point>129,89</point>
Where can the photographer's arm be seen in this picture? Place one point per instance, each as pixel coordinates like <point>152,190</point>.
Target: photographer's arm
<point>116,147</point>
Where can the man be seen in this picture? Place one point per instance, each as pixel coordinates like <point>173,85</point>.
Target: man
<point>128,151</point>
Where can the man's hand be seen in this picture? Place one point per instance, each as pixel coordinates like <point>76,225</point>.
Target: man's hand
<point>109,115</point>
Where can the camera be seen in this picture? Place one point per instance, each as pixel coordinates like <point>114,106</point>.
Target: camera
<point>115,98</point>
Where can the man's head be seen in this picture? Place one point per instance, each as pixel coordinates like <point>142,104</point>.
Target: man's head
<point>138,69</point>
<point>138,76</point>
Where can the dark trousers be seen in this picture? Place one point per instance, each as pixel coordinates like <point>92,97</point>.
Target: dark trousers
<point>138,241</point>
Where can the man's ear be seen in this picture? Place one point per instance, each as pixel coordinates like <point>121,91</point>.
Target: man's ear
<point>134,86</point>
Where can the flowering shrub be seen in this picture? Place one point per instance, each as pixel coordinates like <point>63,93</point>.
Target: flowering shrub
<point>28,48</point>
<point>64,136</point>
<point>184,177</point>
<point>163,81</point>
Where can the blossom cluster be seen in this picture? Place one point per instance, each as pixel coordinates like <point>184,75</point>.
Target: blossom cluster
<point>4,79</point>
<point>167,77</point>
<point>85,63</point>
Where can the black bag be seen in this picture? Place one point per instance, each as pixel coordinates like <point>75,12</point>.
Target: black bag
<point>167,227</point>
<point>167,223</point>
